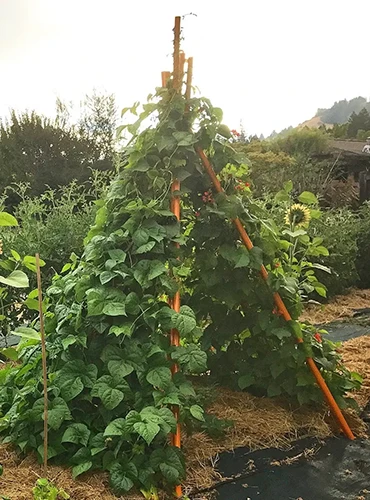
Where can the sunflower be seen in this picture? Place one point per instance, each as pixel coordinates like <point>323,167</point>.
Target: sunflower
<point>298,215</point>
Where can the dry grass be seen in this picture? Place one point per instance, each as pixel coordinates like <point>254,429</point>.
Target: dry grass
<point>356,357</point>
<point>338,308</point>
<point>20,476</point>
<point>306,453</point>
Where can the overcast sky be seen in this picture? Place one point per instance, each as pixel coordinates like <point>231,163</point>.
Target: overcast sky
<point>269,63</point>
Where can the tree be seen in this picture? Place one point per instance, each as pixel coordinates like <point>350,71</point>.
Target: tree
<point>98,125</point>
<point>341,110</point>
<point>52,152</point>
<point>360,121</point>
<point>36,150</point>
<point>339,131</point>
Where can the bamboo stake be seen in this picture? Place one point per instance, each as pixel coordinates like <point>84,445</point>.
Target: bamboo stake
<point>176,55</point>
<point>44,368</point>
<point>189,78</point>
<point>280,305</point>
<point>181,69</point>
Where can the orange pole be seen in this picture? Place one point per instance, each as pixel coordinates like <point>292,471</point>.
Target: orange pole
<point>280,304</point>
<point>178,65</point>
<point>176,301</point>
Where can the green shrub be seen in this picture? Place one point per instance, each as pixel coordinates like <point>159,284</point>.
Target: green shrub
<point>340,229</point>
<point>14,280</point>
<point>304,141</point>
<point>54,223</point>
<point>291,157</point>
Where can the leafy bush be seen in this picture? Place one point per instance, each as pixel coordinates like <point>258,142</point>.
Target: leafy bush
<point>288,158</point>
<point>13,301</point>
<point>347,236</point>
<point>345,233</point>
<point>54,223</point>
<point>340,229</point>
<point>298,142</point>
<point>107,321</point>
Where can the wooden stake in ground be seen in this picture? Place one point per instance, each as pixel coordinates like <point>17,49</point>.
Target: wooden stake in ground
<point>44,369</point>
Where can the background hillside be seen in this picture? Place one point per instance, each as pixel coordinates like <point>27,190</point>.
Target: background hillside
<point>339,113</point>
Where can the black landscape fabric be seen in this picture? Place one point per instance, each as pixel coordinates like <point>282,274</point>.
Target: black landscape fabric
<point>340,469</point>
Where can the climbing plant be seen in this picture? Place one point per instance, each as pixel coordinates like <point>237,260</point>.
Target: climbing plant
<point>14,281</point>
<point>107,318</point>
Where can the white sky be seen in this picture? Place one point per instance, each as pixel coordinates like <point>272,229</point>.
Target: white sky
<point>269,63</point>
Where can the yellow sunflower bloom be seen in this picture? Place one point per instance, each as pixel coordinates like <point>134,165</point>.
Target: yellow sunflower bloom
<point>298,215</point>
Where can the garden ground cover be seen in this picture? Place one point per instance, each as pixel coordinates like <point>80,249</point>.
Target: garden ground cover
<point>260,423</point>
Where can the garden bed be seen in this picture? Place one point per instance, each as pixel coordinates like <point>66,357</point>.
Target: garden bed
<point>260,423</point>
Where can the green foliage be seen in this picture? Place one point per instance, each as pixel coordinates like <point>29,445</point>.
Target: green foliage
<point>269,169</point>
<point>44,490</point>
<point>48,153</point>
<point>301,252</point>
<point>358,122</point>
<point>292,156</point>
<point>33,149</point>
<point>54,223</point>
<point>107,321</point>
<point>362,256</point>
<point>12,284</point>
<point>340,230</point>
<point>348,248</point>
<point>339,131</point>
<point>302,142</point>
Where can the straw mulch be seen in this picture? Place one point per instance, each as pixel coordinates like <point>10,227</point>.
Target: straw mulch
<point>340,307</point>
<point>20,476</point>
<point>356,357</point>
<point>258,423</point>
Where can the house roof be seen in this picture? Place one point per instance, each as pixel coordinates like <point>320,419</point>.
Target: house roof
<point>349,146</point>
